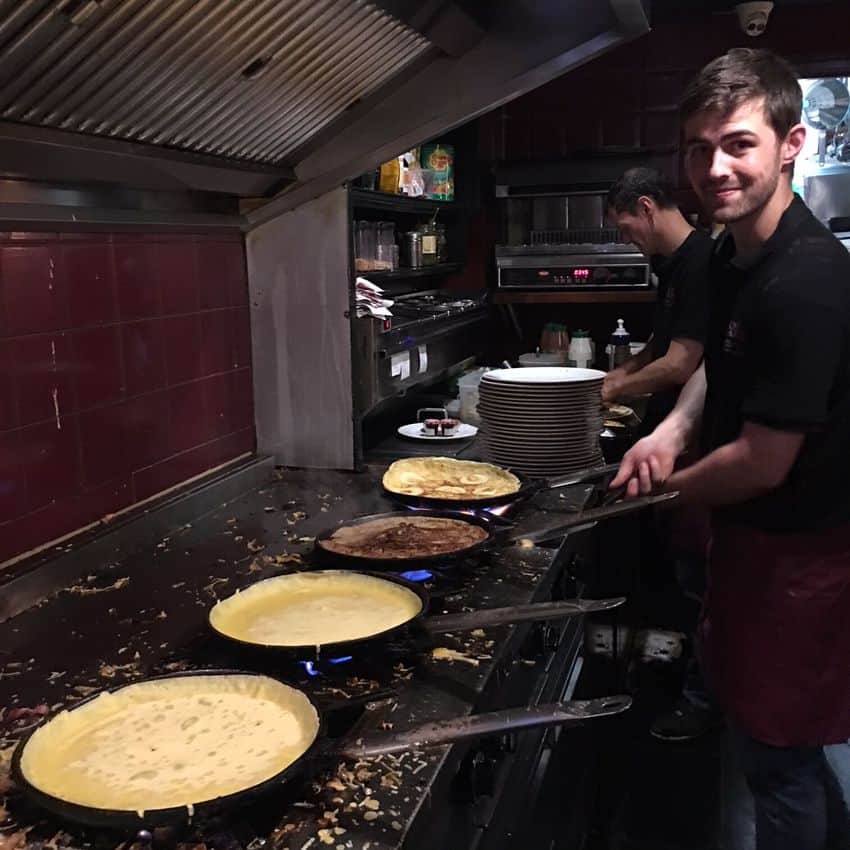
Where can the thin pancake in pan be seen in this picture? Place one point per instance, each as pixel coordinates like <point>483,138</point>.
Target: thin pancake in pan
<point>313,609</point>
<point>402,537</point>
<point>447,478</point>
<point>176,741</point>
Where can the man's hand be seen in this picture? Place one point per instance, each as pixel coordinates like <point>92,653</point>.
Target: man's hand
<point>611,385</point>
<point>647,465</point>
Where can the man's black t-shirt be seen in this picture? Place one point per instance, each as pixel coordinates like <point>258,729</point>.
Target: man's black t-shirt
<point>778,354</point>
<point>681,311</point>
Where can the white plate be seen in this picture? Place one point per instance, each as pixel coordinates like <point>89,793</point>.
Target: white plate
<point>541,397</point>
<point>535,438</point>
<point>545,423</point>
<point>557,457</point>
<point>416,431</point>
<point>551,417</point>
<point>541,392</point>
<point>509,458</point>
<point>515,452</point>
<point>542,375</point>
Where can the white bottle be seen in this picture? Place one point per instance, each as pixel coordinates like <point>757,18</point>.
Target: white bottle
<point>580,353</point>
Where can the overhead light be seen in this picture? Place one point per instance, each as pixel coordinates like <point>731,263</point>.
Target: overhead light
<point>254,70</point>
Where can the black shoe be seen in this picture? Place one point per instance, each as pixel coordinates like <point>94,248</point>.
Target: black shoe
<point>685,722</point>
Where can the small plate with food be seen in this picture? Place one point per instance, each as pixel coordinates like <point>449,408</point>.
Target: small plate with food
<point>435,425</point>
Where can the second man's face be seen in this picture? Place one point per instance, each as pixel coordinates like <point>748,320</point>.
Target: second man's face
<point>733,161</point>
<point>635,228</point>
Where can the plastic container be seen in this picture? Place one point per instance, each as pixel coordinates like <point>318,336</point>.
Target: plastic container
<point>580,352</point>
<point>554,338</point>
<point>620,346</point>
<point>365,246</point>
<point>468,392</point>
<point>438,162</point>
<point>389,175</point>
<point>543,358</point>
<point>385,245</point>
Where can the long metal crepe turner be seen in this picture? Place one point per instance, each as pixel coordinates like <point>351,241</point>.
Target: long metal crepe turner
<point>591,517</point>
<point>478,725</point>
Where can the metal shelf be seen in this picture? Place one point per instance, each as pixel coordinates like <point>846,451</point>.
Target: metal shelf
<point>401,274</point>
<point>366,199</point>
<point>640,296</point>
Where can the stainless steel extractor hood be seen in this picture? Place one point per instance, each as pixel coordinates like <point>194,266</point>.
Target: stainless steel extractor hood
<point>276,99</point>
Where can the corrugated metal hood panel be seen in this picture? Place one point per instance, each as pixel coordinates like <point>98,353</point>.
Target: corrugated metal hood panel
<point>244,80</point>
<point>280,99</point>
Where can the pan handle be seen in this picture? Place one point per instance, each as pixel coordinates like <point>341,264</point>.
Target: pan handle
<point>587,518</point>
<point>469,620</point>
<point>582,476</point>
<point>478,725</point>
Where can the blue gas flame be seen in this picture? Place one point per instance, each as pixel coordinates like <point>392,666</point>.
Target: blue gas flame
<point>417,575</point>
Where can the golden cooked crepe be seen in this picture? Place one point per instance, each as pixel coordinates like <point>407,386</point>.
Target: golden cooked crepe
<point>404,537</point>
<point>311,609</point>
<point>618,411</point>
<point>446,478</point>
<point>171,742</point>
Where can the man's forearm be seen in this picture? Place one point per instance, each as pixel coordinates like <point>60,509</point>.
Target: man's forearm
<point>754,464</point>
<point>657,376</point>
<point>682,424</point>
<point>640,361</point>
<point>727,476</point>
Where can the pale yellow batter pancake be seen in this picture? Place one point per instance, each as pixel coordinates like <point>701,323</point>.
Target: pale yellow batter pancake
<point>171,742</point>
<point>447,478</point>
<point>312,609</point>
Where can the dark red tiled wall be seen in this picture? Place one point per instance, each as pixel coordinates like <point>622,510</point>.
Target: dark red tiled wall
<point>125,368</point>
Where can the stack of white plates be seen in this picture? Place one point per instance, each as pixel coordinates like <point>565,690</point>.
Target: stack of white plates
<point>542,421</point>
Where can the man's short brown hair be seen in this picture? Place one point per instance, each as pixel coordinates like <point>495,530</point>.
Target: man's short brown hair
<point>742,75</point>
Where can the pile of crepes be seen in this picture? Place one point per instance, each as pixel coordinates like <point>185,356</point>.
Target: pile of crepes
<point>446,478</point>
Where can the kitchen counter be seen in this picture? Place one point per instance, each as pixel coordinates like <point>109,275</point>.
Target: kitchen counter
<point>146,614</point>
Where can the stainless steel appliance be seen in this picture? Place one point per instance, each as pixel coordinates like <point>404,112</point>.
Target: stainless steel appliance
<point>428,335</point>
<point>572,267</point>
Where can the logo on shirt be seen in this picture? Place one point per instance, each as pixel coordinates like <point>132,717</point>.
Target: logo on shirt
<point>735,340</point>
<point>669,297</point>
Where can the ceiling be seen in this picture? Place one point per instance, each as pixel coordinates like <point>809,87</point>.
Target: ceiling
<point>249,81</point>
<point>262,98</point>
<point>674,8</point>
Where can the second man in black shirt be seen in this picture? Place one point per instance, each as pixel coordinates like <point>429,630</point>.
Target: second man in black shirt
<point>641,206</point>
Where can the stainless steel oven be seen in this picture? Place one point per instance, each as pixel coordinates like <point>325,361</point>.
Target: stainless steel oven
<point>429,334</point>
<point>572,267</point>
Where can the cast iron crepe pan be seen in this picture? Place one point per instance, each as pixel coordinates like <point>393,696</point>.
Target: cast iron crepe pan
<point>419,622</point>
<point>500,532</point>
<point>494,526</point>
<point>318,753</point>
<point>528,488</point>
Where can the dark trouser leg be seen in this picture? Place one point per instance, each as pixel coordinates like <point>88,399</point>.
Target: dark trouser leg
<point>798,801</point>
<point>690,573</point>
<point>837,814</point>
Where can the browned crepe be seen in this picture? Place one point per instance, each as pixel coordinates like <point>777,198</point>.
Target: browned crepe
<point>404,537</point>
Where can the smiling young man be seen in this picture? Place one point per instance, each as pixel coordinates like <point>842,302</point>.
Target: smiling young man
<point>771,412</point>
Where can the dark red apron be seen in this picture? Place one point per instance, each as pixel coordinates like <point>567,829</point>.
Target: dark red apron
<point>775,633</point>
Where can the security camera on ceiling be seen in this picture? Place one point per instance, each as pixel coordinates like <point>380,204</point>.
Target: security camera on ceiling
<point>752,17</point>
